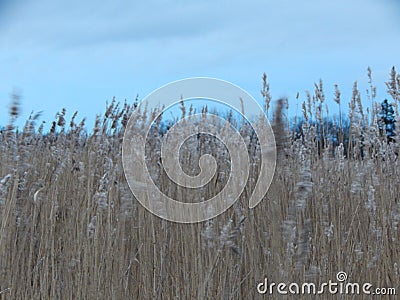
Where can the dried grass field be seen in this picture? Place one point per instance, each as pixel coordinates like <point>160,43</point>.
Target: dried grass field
<point>70,228</point>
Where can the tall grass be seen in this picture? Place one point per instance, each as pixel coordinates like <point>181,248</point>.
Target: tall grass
<point>70,227</point>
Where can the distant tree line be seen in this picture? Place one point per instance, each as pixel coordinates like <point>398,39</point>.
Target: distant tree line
<point>331,132</point>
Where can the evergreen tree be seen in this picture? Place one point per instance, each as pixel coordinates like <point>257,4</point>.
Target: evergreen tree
<point>387,121</point>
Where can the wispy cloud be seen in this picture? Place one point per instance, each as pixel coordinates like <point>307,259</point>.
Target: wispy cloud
<point>282,24</point>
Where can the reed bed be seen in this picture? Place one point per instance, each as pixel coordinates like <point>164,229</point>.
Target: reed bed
<point>70,228</point>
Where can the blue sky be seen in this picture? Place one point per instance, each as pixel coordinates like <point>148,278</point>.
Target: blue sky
<point>79,54</point>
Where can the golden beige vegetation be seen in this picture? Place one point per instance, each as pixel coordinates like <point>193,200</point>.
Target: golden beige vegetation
<point>70,227</point>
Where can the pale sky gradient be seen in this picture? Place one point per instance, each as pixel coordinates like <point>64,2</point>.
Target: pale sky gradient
<point>78,54</point>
